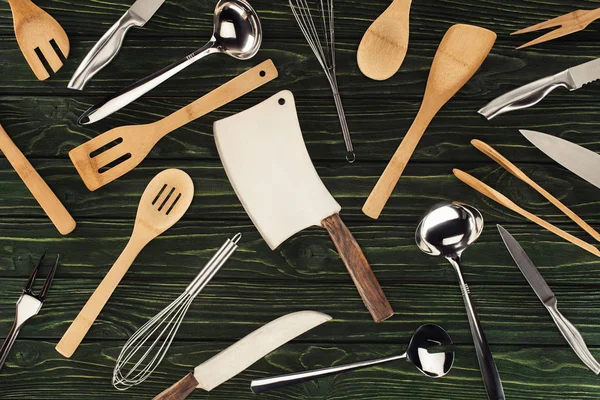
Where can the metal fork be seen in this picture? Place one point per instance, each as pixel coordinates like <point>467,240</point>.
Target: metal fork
<point>28,305</point>
<point>568,23</point>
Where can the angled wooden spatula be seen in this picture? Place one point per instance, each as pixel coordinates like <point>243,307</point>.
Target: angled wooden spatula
<point>132,143</point>
<point>34,30</point>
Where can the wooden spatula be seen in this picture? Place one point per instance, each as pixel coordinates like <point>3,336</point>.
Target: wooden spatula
<point>131,144</point>
<point>459,55</point>
<point>384,45</point>
<point>34,29</point>
<point>165,200</point>
<point>267,163</point>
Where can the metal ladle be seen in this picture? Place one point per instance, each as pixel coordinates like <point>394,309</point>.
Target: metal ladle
<point>237,32</point>
<point>448,230</point>
<point>434,365</point>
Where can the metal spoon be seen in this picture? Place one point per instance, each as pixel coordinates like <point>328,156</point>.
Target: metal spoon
<point>434,365</point>
<point>448,230</point>
<point>237,32</point>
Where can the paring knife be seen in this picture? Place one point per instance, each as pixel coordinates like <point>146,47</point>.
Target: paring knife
<point>534,92</point>
<point>579,160</point>
<point>544,293</point>
<point>244,353</point>
<point>109,45</point>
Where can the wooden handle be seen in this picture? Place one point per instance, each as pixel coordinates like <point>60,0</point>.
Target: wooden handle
<point>226,93</point>
<point>501,199</point>
<point>388,180</point>
<point>88,314</point>
<point>513,169</point>
<point>46,198</point>
<point>359,268</point>
<point>179,390</point>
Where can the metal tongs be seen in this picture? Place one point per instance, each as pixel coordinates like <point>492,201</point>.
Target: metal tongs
<point>28,305</point>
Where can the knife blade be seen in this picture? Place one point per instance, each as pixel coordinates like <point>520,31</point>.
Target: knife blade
<point>110,43</point>
<point>546,296</point>
<point>579,160</point>
<point>534,92</point>
<point>244,353</point>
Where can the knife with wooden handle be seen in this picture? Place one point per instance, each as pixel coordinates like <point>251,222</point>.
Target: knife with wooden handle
<point>242,354</point>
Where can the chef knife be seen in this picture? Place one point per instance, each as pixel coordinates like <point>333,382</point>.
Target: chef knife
<point>108,46</point>
<point>244,353</point>
<point>544,293</point>
<point>579,160</point>
<point>534,92</point>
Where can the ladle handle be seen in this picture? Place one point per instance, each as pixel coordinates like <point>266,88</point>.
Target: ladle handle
<point>265,384</point>
<point>136,90</point>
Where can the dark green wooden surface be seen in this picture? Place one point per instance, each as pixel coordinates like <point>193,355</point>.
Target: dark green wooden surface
<point>258,284</point>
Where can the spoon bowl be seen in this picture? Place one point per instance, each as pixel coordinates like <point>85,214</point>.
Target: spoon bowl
<point>237,30</point>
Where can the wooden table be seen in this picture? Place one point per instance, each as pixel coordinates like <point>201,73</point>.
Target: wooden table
<point>258,285</point>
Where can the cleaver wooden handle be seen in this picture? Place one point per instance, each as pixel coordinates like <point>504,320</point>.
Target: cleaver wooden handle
<point>179,390</point>
<point>359,268</point>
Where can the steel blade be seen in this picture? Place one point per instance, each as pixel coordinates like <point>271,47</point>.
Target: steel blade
<point>529,270</point>
<point>585,73</point>
<point>145,9</point>
<point>579,160</point>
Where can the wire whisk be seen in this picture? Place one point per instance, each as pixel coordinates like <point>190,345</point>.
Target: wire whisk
<point>321,39</point>
<point>162,328</point>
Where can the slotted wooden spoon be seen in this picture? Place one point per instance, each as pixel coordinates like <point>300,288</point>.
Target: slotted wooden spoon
<point>34,29</point>
<point>166,198</point>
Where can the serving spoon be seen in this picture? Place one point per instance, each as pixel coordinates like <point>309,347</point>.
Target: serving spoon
<point>434,365</point>
<point>448,230</point>
<point>237,32</point>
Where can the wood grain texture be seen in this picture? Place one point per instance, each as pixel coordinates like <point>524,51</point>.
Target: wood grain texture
<point>180,389</point>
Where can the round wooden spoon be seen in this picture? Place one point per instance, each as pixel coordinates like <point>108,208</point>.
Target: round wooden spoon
<point>163,203</point>
<point>383,47</point>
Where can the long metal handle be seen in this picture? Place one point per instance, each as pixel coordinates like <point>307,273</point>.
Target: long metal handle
<point>573,337</point>
<point>489,371</point>
<point>141,87</point>
<point>526,96</point>
<point>265,384</point>
<point>8,342</point>
<point>104,50</point>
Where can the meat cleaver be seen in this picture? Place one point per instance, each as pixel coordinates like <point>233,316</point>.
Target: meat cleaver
<point>267,163</point>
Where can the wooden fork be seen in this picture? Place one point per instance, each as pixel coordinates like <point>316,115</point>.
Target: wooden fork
<point>568,23</point>
<point>34,29</point>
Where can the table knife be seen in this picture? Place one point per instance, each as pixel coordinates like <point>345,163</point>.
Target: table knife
<point>534,92</point>
<point>109,45</point>
<point>244,353</point>
<point>579,160</point>
<point>544,293</point>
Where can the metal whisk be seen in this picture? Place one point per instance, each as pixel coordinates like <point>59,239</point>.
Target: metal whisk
<point>321,39</point>
<point>162,328</point>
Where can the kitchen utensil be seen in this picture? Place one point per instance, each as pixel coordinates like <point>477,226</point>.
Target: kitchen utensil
<point>28,305</point>
<point>245,352</point>
<point>237,33</point>
<point>503,200</point>
<point>434,365</point>
<point>383,46</point>
<point>534,92</point>
<point>35,29</point>
<point>270,170</point>
<point>544,293</point>
<point>162,328</point>
<point>163,203</point>
<point>320,35</point>
<point>448,230</point>
<point>110,43</point>
<point>46,198</point>
<point>579,160</point>
<point>513,169</point>
<point>567,24</point>
<point>459,55</point>
<point>136,141</point>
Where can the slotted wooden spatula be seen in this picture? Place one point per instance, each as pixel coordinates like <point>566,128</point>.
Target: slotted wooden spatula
<point>34,29</point>
<point>132,143</point>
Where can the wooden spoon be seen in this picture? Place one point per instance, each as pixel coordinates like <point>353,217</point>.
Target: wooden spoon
<point>383,46</point>
<point>459,55</point>
<point>163,203</point>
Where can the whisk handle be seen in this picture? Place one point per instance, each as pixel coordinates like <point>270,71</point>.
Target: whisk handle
<point>179,390</point>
